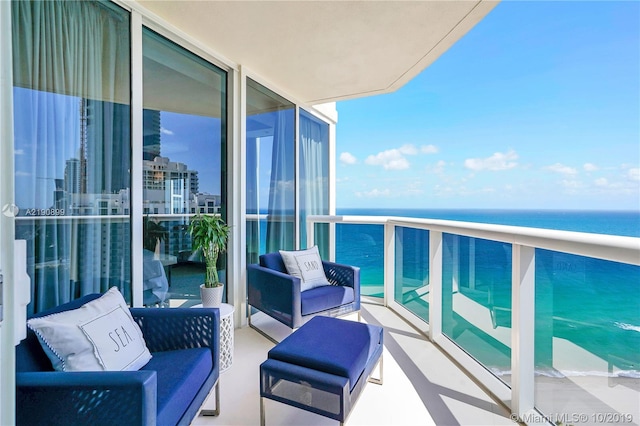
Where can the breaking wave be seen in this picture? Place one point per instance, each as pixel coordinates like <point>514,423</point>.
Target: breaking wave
<point>626,326</point>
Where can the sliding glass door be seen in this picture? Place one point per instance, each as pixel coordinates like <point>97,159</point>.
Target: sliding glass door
<point>184,148</point>
<point>271,165</point>
<point>314,178</point>
<point>72,146</point>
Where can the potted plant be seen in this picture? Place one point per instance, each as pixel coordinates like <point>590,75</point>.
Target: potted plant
<point>209,234</point>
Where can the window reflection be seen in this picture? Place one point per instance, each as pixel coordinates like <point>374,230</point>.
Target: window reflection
<point>72,144</point>
<point>270,172</point>
<point>314,178</point>
<point>183,168</point>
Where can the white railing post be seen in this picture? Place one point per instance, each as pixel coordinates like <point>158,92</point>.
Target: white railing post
<point>389,262</point>
<point>523,330</point>
<point>435,284</point>
<point>472,263</point>
<point>455,256</point>
<point>311,234</point>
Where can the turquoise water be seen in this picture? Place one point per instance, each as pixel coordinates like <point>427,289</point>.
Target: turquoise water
<point>593,304</point>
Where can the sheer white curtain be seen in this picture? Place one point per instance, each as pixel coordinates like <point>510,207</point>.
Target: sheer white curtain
<point>314,174</point>
<point>281,219</point>
<point>71,90</point>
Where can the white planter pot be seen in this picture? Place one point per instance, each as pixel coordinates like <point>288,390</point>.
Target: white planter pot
<point>211,296</point>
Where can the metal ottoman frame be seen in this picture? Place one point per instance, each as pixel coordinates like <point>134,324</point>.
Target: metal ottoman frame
<point>322,367</point>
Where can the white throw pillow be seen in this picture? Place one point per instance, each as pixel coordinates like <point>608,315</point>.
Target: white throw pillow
<point>306,265</point>
<point>101,335</point>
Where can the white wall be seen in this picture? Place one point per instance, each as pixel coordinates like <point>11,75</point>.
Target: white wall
<point>7,351</point>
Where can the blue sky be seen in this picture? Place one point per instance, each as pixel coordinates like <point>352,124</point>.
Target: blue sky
<point>537,107</point>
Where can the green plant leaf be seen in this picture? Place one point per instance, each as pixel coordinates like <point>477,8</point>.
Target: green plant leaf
<point>210,234</point>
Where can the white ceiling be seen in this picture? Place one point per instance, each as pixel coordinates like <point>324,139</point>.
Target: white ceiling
<point>325,51</point>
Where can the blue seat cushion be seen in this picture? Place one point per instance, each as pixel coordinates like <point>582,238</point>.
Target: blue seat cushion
<point>325,297</point>
<point>330,345</point>
<point>180,374</point>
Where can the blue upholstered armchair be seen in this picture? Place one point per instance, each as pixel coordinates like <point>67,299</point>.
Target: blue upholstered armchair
<point>278,294</point>
<point>169,390</point>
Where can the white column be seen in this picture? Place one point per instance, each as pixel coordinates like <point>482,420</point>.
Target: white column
<point>236,195</point>
<point>523,330</point>
<point>135,196</point>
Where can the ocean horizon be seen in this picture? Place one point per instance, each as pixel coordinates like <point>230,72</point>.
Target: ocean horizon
<point>610,222</point>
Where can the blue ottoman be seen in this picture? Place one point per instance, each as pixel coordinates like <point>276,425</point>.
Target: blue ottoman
<point>322,367</point>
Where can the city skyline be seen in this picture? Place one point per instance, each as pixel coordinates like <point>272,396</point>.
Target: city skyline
<point>77,185</point>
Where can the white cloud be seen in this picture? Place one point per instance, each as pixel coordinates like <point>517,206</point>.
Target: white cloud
<point>562,169</point>
<point>498,161</point>
<point>634,174</point>
<point>375,193</point>
<point>348,158</point>
<point>429,149</point>
<point>438,168</point>
<point>590,167</point>
<point>166,131</point>
<point>391,159</point>
<point>601,182</point>
<point>408,149</point>
<point>19,152</point>
<point>396,158</point>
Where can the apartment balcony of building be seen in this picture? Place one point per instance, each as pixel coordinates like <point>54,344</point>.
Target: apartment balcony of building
<point>484,325</point>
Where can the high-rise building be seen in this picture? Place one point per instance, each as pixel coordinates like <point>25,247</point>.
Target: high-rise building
<point>168,186</point>
<point>151,134</point>
<point>72,176</point>
<point>105,147</point>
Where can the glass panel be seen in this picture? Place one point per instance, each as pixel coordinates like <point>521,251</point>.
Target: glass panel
<point>363,246</point>
<point>270,172</point>
<point>314,178</point>
<point>72,145</point>
<point>476,299</point>
<point>411,287</point>
<point>587,338</point>
<point>184,145</point>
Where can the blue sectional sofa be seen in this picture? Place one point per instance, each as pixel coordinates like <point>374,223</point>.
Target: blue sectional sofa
<point>169,390</point>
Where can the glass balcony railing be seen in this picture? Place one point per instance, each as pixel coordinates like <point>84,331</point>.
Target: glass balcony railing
<point>548,321</point>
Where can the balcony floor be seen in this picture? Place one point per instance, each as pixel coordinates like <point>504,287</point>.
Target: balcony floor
<point>422,386</point>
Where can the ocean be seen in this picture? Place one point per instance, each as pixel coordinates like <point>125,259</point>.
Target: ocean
<point>625,223</point>
<point>588,307</point>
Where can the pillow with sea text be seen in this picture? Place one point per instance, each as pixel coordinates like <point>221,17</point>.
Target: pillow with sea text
<point>101,335</point>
